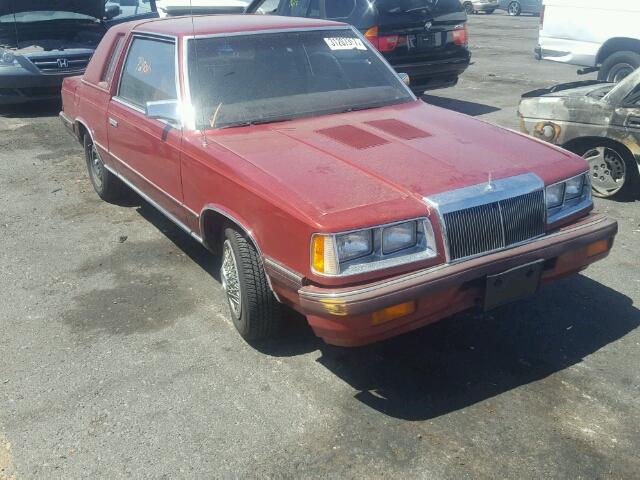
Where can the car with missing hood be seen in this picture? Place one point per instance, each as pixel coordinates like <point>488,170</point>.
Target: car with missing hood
<point>597,120</point>
<point>292,148</point>
<point>42,42</point>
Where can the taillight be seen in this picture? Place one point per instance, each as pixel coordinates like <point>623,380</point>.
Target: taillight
<point>384,43</point>
<point>542,18</point>
<point>460,35</point>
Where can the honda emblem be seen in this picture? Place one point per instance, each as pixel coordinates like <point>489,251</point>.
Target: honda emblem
<point>62,63</point>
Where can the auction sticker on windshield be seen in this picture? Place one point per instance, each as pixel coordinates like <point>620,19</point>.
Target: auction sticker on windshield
<point>345,43</point>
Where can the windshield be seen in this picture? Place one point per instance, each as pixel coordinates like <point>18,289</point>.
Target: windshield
<point>270,77</point>
<point>43,16</point>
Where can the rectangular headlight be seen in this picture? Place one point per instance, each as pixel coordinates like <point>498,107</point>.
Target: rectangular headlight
<point>354,245</point>
<point>555,195</point>
<point>398,237</point>
<point>573,187</point>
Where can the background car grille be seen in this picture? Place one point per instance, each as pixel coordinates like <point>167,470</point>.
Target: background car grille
<point>494,225</point>
<point>49,64</point>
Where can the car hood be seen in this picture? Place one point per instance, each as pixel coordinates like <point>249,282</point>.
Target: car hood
<point>389,157</point>
<point>92,8</point>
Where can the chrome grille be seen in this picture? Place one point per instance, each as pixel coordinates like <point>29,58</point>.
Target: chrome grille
<point>492,226</point>
<point>50,65</point>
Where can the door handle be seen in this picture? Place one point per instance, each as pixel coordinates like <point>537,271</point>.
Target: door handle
<point>113,122</point>
<point>633,121</point>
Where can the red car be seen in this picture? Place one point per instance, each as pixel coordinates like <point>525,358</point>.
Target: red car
<point>290,146</point>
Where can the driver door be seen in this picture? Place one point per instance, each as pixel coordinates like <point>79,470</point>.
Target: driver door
<point>147,151</point>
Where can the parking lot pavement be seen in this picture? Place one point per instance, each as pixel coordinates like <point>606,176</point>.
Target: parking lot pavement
<point>118,359</point>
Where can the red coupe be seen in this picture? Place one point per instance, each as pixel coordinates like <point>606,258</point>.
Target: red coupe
<point>291,147</point>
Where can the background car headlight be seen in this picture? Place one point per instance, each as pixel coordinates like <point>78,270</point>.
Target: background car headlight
<point>7,58</point>
<point>353,245</point>
<point>398,237</point>
<point>555,195</point>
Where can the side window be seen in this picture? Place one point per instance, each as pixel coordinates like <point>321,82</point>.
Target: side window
<point>295,8</point>
<point>149,72</point>
<point>131,8</point>
<point>268,7</point>
<point>107,73</point>
<point>339,9</point>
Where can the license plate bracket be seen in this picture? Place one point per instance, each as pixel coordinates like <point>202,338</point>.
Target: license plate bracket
<point>514,284</point>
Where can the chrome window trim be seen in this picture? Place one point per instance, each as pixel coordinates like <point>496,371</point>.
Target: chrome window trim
<point>482,194</point>
<point>385,261</point>
<point>190,122</point>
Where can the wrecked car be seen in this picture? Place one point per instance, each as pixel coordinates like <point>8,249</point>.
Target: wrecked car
<point>599,121</point>
<point>42,42</point>
<point>292,148</point>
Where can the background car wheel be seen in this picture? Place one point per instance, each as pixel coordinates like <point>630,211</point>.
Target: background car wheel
<point>613,170</point>
<point>254,310</point>
<point>514,9</point>
<point>468,7</point>
<point>618,65</point>
<point>106,184</point>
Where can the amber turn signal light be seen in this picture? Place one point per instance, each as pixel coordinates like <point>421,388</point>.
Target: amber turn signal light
<point>596,248</point>
<point>391,313</point>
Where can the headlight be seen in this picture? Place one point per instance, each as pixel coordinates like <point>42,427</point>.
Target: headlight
<point>7,58</point>
<point>398,237</point>
<point>374,248</point>
<point>568,197</point>
<point>353,245</point>
<point>555,195</point>
<point>546,131</point>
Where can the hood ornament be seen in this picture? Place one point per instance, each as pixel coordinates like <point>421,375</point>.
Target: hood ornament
<point>490,187</point>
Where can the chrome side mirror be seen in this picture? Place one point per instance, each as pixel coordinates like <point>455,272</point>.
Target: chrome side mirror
<point>168,110</point>
<point>405,78</point>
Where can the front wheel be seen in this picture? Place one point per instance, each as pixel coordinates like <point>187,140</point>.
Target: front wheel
<point>514,9</point>
<point>618,66</point>
<point>613,170</point>
<point>254,309</point>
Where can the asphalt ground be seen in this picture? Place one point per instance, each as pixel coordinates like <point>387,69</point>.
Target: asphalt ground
<point>118,360</point>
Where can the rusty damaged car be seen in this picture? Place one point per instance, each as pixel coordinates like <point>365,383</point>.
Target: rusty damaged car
<point>597,120</point>
<point>292,148</point>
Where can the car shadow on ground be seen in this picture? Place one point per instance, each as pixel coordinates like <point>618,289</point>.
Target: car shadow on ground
<point>461,106</point>
<point>49,108</point>
<point>459,361</point>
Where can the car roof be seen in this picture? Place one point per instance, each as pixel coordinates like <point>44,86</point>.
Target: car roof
<point>217,24</point>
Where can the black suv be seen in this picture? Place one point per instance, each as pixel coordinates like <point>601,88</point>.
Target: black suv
<point>427,39</point>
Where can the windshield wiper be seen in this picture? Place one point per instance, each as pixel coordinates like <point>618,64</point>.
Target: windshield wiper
<point>249,123</point>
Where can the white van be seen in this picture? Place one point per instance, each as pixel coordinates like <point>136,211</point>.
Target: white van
<point>602,35</point>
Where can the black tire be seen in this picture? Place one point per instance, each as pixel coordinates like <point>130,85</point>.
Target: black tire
<point>609,153</point>
<point>618,65</point>
<point>259,315</point>
<point>108,187</point>
<point>514,9</point>
<point>468,7</point>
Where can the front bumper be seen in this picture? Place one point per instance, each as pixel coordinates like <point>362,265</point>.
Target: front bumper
<point>19,85</point>
<point>343,316</point>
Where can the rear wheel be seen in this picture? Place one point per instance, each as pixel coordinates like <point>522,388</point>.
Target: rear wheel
<point>514,9</point>
<point>618,65</point>
<point>613,170</point>
<point>106,184</point>
<point>468,7</point>
<point>254,309</point>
